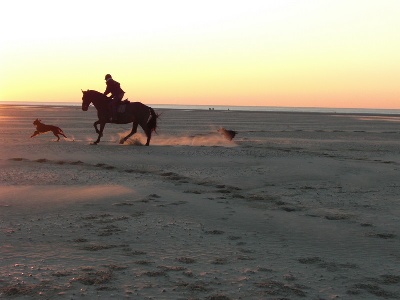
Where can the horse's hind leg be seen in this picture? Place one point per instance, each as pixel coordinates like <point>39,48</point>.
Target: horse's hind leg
<point>133,131</point>
<point>148,133</point>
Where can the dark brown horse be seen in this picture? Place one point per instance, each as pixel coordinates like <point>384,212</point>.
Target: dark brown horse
<point>135,112</point>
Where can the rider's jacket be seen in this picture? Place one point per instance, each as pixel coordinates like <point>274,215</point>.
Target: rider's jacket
<point>113,87</point>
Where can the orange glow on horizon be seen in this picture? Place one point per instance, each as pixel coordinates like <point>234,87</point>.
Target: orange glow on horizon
<point>262,53</point>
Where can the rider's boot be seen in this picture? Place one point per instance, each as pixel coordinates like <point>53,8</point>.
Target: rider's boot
<point>114,115</point>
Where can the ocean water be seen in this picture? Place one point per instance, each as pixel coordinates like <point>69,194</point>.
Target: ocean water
<point>236,108</point>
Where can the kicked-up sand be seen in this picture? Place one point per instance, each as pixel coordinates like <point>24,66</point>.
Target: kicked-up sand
<point>296,206</point>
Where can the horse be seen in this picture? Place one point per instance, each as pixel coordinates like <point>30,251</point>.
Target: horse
<point>135,112</point>
<point>43,128</point>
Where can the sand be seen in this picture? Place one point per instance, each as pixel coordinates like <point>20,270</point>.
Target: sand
<point>296,206</point>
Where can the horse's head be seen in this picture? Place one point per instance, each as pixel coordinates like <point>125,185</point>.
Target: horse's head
<point>86,100</point>
<point>92,96</point>
<point>36,122</point>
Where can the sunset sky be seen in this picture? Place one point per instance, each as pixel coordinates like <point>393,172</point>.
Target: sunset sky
<point>301,53</point>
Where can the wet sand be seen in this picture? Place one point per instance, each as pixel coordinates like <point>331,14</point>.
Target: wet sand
<point>296,206</point>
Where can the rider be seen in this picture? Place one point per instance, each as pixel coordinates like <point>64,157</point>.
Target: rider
<point>117,93</point>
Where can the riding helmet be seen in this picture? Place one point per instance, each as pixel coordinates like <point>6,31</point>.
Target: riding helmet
<point>107,76</point>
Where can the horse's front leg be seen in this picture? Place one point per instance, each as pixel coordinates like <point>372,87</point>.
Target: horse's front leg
<point>95,126</point>
<point>100,132</point>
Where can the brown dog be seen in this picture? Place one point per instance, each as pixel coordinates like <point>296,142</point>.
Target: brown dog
<point>43,128</point>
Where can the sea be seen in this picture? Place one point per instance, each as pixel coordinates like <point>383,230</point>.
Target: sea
<point>373,111</point>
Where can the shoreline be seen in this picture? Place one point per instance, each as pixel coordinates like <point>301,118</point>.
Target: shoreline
<point>272,109</point>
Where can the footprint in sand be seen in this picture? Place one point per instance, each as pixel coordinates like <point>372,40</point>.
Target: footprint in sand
<point>215,232</point>
<point>384,236</point>
<point>186,260</point>
<point>273,287</point>
<point>220,261</point>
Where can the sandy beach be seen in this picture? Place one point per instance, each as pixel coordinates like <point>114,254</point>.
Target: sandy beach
<point>296,206</point>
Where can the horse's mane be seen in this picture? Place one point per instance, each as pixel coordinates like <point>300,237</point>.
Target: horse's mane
<point>94,92</point>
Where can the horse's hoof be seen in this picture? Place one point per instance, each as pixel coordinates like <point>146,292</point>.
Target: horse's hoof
<point>93,143</point>
<point>121,141</point>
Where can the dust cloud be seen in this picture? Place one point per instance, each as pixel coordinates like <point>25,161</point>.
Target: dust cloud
<point>210,139</point>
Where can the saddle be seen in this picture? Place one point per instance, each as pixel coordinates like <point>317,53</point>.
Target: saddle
<point>122,106</point>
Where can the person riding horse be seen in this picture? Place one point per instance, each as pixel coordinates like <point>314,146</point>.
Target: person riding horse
<point>136,113</point>
<point>117,93</point>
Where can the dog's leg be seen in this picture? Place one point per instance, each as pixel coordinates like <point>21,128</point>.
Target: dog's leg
<point>56,135</point>
<point>35,134</point>
<point>62,133</point>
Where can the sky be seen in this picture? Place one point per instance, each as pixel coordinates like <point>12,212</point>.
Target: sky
<point>295,53</point>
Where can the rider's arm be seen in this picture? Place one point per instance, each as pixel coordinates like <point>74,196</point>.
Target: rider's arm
<point>108,90</point>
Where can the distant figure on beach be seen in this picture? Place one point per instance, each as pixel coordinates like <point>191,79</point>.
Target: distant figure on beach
<point>43,128</point>
<point>229,134</point>
<point>117,93</point>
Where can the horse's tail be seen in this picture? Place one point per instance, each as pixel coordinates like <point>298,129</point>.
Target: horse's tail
<point>152,123</point>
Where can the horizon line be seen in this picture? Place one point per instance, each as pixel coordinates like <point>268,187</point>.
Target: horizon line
<point>183,106</point>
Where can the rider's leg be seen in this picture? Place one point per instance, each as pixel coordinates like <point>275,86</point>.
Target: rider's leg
<point>116,102</point>
<point>114,109</point>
